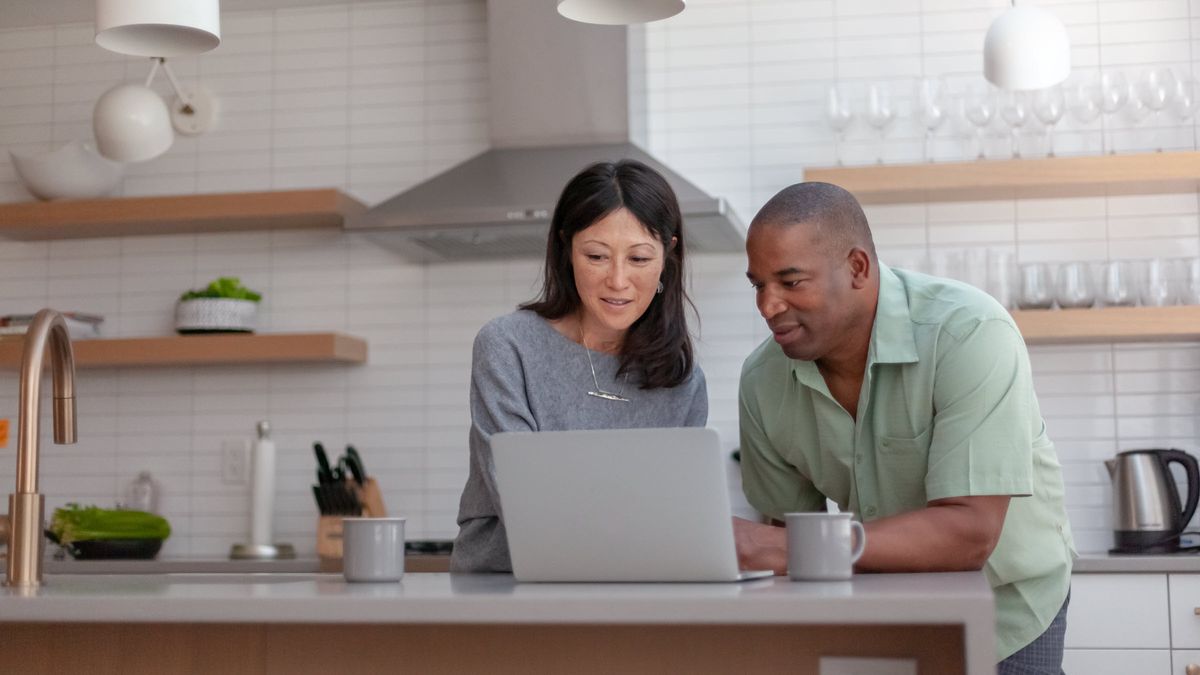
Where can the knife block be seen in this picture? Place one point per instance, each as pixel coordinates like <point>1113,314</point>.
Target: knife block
<point>329,528</point>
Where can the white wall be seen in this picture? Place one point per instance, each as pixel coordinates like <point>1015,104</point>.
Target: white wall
<point>372,97</point>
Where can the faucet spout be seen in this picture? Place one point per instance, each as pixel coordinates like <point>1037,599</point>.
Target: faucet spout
<point>47,332</point>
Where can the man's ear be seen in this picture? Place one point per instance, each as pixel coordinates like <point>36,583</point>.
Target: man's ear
<point>861,268</point>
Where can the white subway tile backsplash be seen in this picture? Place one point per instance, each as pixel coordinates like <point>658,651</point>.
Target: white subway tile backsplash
<point>373,97</point>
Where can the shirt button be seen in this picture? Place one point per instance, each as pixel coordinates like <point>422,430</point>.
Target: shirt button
<point>884,443</point>
<point>858,459</point>
<point>871,511</point>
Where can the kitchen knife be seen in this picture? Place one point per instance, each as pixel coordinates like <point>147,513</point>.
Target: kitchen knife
<point>351,452</point>
<point>352,465</point>
<point>324,474</point>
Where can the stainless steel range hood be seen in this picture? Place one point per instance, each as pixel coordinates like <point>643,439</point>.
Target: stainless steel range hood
<point>560,100</point>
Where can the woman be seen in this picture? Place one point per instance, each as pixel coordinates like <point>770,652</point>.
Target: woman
<point>605,346</point>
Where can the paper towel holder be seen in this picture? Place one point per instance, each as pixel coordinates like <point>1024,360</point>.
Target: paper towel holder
<point>257,549</point>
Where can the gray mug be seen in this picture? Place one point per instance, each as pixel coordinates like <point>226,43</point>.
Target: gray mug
<point>821,546</point>
<point>373,549</point>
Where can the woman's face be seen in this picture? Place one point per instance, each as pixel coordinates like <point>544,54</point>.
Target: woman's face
<point>617,264</point>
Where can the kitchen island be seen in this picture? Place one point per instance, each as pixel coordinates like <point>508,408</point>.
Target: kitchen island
<point>295,623</point>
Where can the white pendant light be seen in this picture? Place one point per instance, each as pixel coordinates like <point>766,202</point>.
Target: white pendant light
<point>1026,48</point>
<point>618,12</point>
<point>132,123</point>
<point>158,27</point>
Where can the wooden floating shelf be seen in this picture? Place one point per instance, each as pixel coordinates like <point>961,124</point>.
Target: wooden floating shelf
<point>206,349</point>
<point>1146,173</point>
<point>1109,324</point>
<point>227,212</point>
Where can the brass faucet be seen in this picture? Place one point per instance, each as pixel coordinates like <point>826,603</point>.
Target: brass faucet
<point>25,508</point>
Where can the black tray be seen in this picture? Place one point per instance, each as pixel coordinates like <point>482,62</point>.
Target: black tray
<point>112,549</point>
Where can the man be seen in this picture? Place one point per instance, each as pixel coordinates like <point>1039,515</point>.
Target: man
<point>908,400</point>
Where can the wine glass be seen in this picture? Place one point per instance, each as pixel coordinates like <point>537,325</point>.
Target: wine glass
<point>1015,113</point>
<point>931,109</point>
<point>1114,92</point>
<point>1187,98</point>
<point>1155,89</point>
<point>1083,102</point>
<point>880,112</point>
<point>1048,106</point>
<point>979,107</point>
<point>839,116</point>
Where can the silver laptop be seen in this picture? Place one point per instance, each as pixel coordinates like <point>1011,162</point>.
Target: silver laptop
<point>617,505</point>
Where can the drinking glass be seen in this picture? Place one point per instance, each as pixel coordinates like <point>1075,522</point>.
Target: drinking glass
<point>1074,288</point>
<point>1037,287</point>
<point>931,109</point>
<point>1049,106</point>
<point>1155,89</point>
<point>1158,283</point>
<point>1001,277</point>
<point>1190,288</point>
<point>1119,286</point>
<point>839,116</point>
<point>1015,113</point>
<point>880,112</point>
<point>1114,92</point>
<point>979,107</point>
<point>1083,102</point>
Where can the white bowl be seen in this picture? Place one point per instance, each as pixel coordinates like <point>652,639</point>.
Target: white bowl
<point>215,315</point>
<point>74,171</point>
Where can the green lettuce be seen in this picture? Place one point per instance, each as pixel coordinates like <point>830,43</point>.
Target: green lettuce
<point>86,523</point>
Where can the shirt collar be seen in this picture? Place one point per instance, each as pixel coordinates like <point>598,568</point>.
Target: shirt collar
<point>892,338</point>
<point>891,333</point>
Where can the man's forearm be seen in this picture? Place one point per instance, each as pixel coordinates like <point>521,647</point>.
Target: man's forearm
<point>947,536</point>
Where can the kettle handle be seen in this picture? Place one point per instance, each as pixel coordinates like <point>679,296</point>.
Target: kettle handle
<point>1192,467</point>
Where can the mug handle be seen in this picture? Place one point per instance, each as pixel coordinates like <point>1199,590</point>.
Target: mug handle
<point>857,552</point>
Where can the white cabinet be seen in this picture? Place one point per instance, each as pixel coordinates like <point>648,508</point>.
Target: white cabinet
<point>1127,623</point>
<point>1182,658</point>
<point>1118,611</point>
<point>1117,661</point>
<point>1185,602</point>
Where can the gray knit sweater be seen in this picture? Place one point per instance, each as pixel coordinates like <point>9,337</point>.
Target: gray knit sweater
<point>526,376</point>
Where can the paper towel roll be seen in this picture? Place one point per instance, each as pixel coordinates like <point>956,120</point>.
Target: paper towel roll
<point>263,487</point>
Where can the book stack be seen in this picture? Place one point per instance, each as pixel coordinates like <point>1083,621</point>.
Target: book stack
<point>80,326</point>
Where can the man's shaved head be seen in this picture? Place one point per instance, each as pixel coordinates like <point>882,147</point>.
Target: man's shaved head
<point>833,214</point>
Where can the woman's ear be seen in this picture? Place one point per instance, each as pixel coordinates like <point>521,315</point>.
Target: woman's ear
<point>671,246</point>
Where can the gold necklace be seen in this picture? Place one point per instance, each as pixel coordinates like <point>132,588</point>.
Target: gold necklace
<point>598,392</point>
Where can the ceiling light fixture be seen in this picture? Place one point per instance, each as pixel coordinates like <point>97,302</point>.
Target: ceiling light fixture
<point>1026,48</point>
<point>132,123</point>
<point>158,27</point>
<point>619,12</point>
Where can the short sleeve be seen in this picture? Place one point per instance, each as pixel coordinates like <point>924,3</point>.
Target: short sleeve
<point>984,416</point>
<point>772,485</point>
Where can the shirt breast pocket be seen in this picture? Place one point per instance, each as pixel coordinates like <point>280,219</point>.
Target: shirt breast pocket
<point>905,449</point>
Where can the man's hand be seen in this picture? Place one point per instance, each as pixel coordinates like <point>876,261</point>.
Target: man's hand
<point>760,547</point>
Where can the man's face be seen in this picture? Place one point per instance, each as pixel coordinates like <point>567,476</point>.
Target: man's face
<point>802,291</point>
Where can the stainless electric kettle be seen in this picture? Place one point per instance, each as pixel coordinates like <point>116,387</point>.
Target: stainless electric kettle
<point>1148,515</point>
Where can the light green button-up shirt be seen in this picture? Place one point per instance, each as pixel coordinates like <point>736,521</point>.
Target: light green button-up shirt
<point>947,409</point>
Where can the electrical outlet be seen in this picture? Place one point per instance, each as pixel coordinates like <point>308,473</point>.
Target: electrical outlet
<point>235,462</point>
<point>841,665</point>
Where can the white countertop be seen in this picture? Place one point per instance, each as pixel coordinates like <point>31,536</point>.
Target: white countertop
<point>1144,564</point>
<point>962,598</point>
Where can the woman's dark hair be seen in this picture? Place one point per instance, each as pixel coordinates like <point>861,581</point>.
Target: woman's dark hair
<point>657,348</point>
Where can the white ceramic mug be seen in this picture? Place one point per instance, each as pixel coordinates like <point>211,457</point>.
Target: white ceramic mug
<point>821,546</point>
<point>373,549</point>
